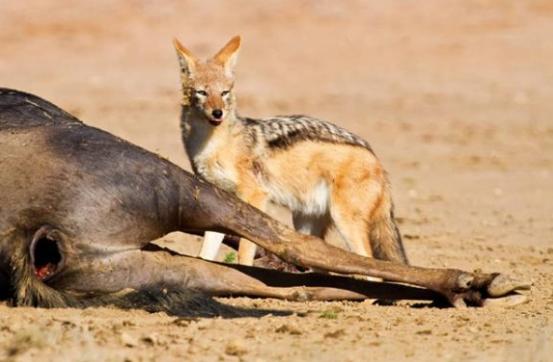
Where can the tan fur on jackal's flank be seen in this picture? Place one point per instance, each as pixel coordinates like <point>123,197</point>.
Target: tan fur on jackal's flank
<point>324,174</point>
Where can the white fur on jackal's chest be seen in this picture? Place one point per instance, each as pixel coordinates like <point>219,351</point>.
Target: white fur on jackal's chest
<point>209,165</point>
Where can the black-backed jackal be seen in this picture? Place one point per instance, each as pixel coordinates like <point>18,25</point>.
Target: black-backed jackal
<point>324,174</point>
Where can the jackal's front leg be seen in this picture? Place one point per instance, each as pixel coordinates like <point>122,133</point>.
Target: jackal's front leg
<point>211,245</point>
<point>249,192</point>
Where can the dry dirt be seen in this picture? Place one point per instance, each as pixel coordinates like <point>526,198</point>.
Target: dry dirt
<point>456,97</point>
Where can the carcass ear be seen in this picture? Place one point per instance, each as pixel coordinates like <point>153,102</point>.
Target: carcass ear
<point>187,61</point>
<point>228,55</point>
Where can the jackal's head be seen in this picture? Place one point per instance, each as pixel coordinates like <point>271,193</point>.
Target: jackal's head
<point>207,85</point>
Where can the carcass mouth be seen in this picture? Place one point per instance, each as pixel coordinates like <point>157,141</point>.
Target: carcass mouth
<point>46,254</point>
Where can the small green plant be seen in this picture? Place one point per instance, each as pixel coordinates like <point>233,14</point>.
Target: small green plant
<point>230,257</point>
<point>329,314</point>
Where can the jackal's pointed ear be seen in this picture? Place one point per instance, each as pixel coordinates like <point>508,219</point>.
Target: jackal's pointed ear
<point>187,61</point>
<point>228,55</point>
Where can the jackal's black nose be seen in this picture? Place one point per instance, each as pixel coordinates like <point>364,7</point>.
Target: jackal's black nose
<point>217,113</point>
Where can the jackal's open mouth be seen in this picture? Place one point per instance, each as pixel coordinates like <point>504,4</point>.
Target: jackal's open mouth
<point>215,122</point>
<point>46,255</point>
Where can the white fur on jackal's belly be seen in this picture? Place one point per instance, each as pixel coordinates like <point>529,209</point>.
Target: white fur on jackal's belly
<point>315,202</point>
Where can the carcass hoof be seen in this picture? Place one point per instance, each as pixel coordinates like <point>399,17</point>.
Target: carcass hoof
<point>506,301</point>
<point>487,290</point>
<point>502,285</point>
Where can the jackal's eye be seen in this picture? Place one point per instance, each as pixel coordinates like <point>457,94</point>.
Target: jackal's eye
<point>201,93</point>
<point>225,93</point>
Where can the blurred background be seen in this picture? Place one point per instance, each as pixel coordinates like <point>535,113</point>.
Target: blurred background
<point>456,97</point>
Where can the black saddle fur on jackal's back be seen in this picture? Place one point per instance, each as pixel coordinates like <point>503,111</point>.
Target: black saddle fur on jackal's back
<point>281,132</point>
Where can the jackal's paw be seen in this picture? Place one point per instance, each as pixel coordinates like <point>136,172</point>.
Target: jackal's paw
<point>479,289</point>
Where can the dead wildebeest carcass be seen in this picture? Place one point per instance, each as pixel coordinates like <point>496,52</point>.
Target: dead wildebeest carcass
<point>79,207</point>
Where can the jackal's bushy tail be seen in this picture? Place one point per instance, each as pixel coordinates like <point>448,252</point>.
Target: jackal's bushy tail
<point>384,235</point>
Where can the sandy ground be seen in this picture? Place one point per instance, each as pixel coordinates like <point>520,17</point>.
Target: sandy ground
<point>456,97</point>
